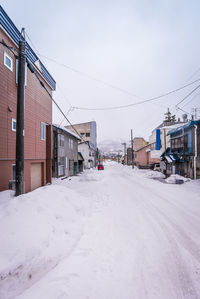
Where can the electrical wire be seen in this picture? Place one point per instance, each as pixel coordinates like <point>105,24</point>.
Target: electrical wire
<point>61,111</point>
<point>115,87</point>
<point>92,78</point>
<point>188,95</point>
<point>140,102</point>
<point>194,97</point>
<point>12,49</point>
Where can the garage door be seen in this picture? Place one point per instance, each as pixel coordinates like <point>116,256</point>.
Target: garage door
<point>36,175</point>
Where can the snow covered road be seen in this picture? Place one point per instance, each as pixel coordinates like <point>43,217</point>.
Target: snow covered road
<point>140,240</point>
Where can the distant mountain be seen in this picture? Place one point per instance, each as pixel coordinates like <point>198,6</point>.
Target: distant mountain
<point>114,146</point>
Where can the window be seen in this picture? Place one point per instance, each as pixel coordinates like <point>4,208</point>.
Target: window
<point>61,140</point>
<point>70,143</point>
<point>42,131</point>
<point>8,62</point>
<point>13,172</point>
<point>87,134</point>
<point>82,134</point>
<point>17,66</point>
<point>14,125</point>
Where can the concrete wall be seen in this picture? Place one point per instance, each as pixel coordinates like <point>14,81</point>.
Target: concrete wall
<point>84,129</point>
<point>67,154</point>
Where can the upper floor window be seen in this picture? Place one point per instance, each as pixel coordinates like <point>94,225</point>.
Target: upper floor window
<point>42,131</point>
<point>82,134</point>
<point>71,143</point>
<point>14,125</point>
<point>8,62</point>
<point>87,134</point>
<point>61,139</point>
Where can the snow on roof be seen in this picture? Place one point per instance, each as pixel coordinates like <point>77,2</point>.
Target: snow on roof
<point>67,131</point>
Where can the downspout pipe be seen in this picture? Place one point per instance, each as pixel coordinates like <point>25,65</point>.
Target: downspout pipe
<point>195,152</point>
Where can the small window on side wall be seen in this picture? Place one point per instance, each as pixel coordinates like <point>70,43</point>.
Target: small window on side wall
<point>13,172</point>
<point>42,131</point>
<point>8,62</point>
<point>14,125</point>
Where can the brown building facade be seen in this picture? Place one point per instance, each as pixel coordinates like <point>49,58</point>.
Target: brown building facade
<point>143,158</point>
<point>38,114</point>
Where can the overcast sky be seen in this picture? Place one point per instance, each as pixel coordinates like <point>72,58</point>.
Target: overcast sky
<point>144,47</point>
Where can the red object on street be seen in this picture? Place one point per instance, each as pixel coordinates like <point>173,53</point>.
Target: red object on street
<point>100,167</point>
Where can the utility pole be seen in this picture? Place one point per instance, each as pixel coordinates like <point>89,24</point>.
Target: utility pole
<point>124,144</point>
<point>132,148</point>
<point>20,119</point>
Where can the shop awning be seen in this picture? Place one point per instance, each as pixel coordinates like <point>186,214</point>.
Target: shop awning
<point>172,158</point>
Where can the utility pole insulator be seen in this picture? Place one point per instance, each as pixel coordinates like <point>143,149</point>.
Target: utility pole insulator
<point>20,119</point>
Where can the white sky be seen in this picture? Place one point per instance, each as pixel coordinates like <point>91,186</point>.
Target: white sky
<point>146,47</point>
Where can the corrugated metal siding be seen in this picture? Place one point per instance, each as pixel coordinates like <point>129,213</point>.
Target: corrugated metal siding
<point>14,33</point>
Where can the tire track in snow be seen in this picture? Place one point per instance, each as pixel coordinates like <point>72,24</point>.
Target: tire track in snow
<point>187,288</point>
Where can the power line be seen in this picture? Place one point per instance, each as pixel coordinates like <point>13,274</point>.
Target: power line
<point>11,49</point>
<point>194,97</point>
<point>140,102</point>
<point>193,75</point>
<point>91,77</point>
<point>184,111</point>
<point>115,87</point>
<point>189,94</point>
<point>42,84</point>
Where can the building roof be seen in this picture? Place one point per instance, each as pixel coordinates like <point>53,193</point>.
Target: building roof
<point>185,127</point>
<point>87,122</point>
<point>10,28</point>
<point>90,145</point>
<point>143,147</point>
<point>67,131</point>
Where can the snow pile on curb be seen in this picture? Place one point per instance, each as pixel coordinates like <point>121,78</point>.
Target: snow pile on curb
<point>174,177</point>
<point>37,230</point>
<point>154,174</point>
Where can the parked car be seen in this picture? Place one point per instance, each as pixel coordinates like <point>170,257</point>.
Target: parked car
<point>100,167</point>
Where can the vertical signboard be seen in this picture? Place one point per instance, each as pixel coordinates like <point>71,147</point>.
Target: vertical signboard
<point>157,139</point>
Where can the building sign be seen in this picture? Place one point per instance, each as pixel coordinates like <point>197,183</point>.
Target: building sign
<point>158,139</point>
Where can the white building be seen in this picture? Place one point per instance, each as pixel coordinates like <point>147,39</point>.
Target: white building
<point>164,140</point>
<point>89,154</point>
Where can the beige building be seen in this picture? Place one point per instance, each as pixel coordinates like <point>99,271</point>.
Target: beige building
<point>87,130</point>
<point>139,142</point>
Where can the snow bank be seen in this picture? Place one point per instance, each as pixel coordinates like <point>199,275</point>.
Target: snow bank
<point>154,174</point>
<point>37,230</point>
<point>174,177</point>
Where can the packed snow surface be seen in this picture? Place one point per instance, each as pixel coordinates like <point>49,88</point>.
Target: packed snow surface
<point>112,234</point>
